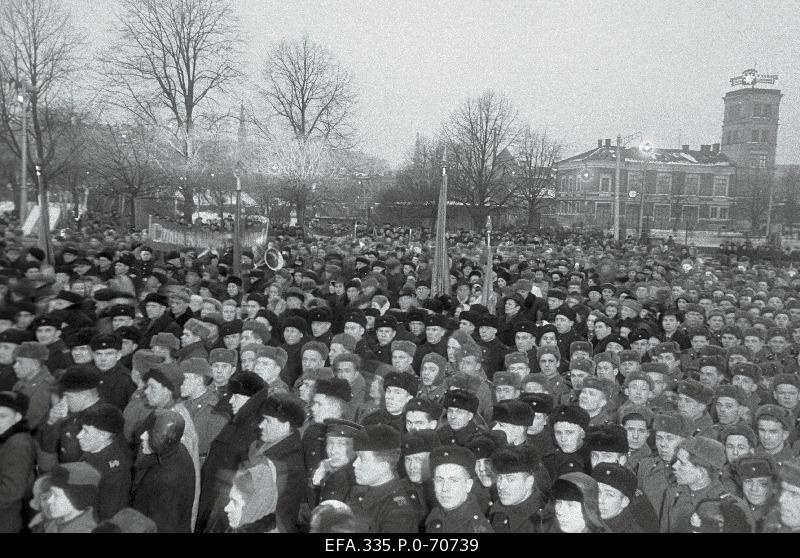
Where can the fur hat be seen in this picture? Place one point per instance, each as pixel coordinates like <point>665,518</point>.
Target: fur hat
<point>334,387</point>
<point>402,380</point>
<point>347,341</point>
<point>503,378</point>
<point>697,391</point>
<point>228,356</point>
<point>419,441</point>
<point>196,365</point>
<point>607,437</point>
<point>168,375</point>
<point>460,399</point>
<point>432,408</point>
<point>246,383</point>
<point>356,318</point>
<point>572,414</point>
<point>519,459</point>
<point>407,347</point>
<point>317,347</point>
<point>105,341</point>
<point>513,412</point>
<point>705,451</point>
<point>79,481</point>
<point>104,417</point>
<point>32,349</point>
<point>776,413</point>
<point>377,437</point>
<point>516,357</point>
<point>286,408</point>
<point>540,402</point>
<point>453,455</point>
<point>256,327</point>
<point>198,328</point>
<point>276,354</point>
<point>484,445</point>
<point>231,328</point>
<point>671,423</point>
<point>79,377</point>
<point>164,339</point>
<point>617,477</point>
<point>17,402</point>
<point>145,359</point>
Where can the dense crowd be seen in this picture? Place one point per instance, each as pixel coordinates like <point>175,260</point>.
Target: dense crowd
<point>599,387</point>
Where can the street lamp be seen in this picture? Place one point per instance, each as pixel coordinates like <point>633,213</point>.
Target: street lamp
<point>26,90</point>
<point>648,151</point>
<point>238,171</point>
<point>44,218</point>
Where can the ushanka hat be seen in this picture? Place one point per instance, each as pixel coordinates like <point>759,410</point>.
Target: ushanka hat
<point>79,481</point>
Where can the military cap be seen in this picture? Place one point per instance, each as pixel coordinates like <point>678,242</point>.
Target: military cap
<point>747,369</point>
<point>607,356</point>
<point>377,437</point>
<point>80,338</point>
<point>734,392</point>
<point>416,315</point>
<point>667,347</point>
<point>540,402</point>
<point>484,445</point>
<point>79,377</point>
<point>776,413</point>
<point>104,416</point>
<point>296,322</point>
<point>157,298</point>
<point>16,401</point>
<point>169,375</point>
<point>519,459</point>
<point>789,472</point>
<point>739,429</point>
<point>334,387</point>
<point>753,467</point>
<point>231,328</point>
<point>581,346</point>
<point>603,386</point>
<point>714,361</point>
<point>697,331</point>
<point>228,356</point>
<point>633,376</point>
<point>557,293</point>
<point>788,379</point>
<point>432,408</point>
<point>566,311</point>
<point>468,316</point>
<point>104,341</point>
<point>452,455</point>
<point>513,412</point>
<point>753,332</point>
<point>196,365</point>
<point>580,363</point>
<point>516,357</point>
<point>697,391</point>
<point>356,318</point>
<point>638,412</point>
<point>638,335</point>
<point>732,330</point>
<point>121,310</point>
<point>671,423</point>
<point>607,437</point>
<point>616,476</point>
<point>347,341</point>
<point>525,326</point>
<point>15,336</point>
<point>32,349</point>
<point>540,379</point>
<point>460,399</point>
<point>419,441</point>
<point>705,451</point>
<point>164,339</point>
<point>439,320</point>
<point>407,347</point>
<point>48,320</point>
<point>372,312</point>
<point>548,350</point>
<point>488,320</point>
<point>460,380</point>
<point>504,378</point>
<point>402,380</point>
<point>629,356</point>
<point>285,407</point>
<point>341,428</point>
<point>130,333</point>
<point>571,414</point>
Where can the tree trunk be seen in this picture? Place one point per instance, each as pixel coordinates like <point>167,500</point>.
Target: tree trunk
<point>300,206</point>
<point>188,203</point>
<point>133,211</point>
<point>533,215</point>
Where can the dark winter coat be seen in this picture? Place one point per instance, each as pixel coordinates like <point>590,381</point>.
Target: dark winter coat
<point>17,462</point>
<point>164,489</point>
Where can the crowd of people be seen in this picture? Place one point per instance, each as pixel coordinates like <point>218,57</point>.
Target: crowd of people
<point>598,387</point>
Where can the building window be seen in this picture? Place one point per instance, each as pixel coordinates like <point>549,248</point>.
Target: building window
<point>602,212</point>
<point>661,214</point>
<point>605,184</point>
<point>717,212</point>
<point>563,183</point>
<point>635,181</point>
<point>756,110</point>
<point>720,186</point>
<point>692,187</point>
<point>754,136</point>
<point>758,160</point>
<point>664,183</point>
<point>763,136</point>
<point>571,184</point>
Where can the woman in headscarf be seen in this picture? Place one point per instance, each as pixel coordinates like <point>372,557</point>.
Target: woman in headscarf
<point>432,373</point>
<point>576,505</point>
<point>252,500</point>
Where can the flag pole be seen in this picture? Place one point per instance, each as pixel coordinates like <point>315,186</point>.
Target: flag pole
<point>489,300</point>
<point>440,280</point>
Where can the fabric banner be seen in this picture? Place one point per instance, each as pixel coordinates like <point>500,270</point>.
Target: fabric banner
<point>163,235</point>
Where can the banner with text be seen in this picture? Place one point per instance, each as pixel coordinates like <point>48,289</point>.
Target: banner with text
<point>164,235</point>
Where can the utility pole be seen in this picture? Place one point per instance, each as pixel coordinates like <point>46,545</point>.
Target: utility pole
<point>617,188</point>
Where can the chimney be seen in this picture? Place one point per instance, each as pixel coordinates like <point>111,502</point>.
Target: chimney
<point>685,147</point>
<point>608,143</point>
<point>715,148</point>
<point>705,148</point>
<point>599,143</point>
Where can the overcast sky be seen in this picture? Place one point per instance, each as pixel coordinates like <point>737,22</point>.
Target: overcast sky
<point>584,70</point>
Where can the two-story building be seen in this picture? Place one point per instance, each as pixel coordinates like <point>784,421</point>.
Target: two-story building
<point>682,188</point>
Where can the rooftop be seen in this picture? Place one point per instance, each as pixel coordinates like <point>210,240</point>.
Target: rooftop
<point>657,155</point>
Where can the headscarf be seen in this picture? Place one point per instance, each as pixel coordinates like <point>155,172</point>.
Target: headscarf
<point>259,489</point>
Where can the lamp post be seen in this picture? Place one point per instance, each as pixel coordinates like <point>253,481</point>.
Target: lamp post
<point>44,218</point>
<point>23,98</point>
<point>238,170</point>
<point>621,143</point>
<point>647,150</point>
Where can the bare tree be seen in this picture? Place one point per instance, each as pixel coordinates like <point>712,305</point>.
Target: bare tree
<point>479,135</point>
<point>417,182</point>
<point>171,61</point>
<point>39,53</point>
<point>790,189</point>
<point>536,155</point>
<point>310,92</point>
<point>754,185</point>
